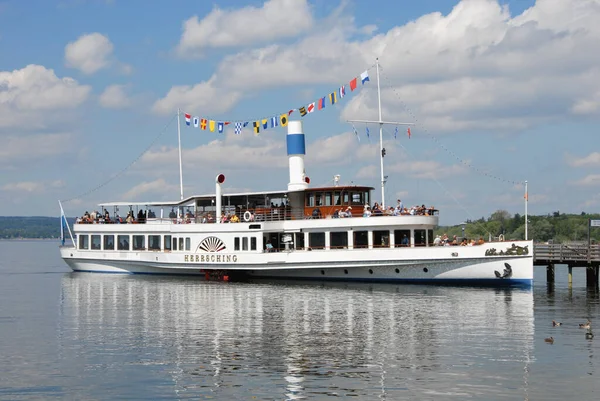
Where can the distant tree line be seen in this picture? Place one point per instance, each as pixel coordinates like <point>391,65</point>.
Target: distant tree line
<point>555,227</point>
<point>30,227</point>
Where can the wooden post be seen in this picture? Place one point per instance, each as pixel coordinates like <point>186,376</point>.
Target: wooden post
<point>591,276</point>
<point>570,275</point>
<point>550,273</point>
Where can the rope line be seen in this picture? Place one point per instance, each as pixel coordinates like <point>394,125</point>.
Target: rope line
<point>122,171</point>
<point>434,139</point>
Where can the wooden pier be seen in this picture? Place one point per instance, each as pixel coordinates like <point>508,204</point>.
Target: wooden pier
<point>572,255</point>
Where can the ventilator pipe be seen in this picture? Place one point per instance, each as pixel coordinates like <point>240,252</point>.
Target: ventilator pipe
<point>218,181</point>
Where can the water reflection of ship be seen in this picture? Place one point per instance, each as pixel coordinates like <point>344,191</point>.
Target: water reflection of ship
<point>293,333</point>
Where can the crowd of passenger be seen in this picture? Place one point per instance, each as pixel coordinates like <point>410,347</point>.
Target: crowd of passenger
<point>444,240</point>
<point>96,217</point>
<point>378,210</point>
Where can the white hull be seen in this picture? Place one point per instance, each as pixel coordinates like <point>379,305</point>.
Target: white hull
<point>450,264</point>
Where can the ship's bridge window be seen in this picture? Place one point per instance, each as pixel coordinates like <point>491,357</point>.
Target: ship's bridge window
<point>366,197</point>
<point>84,241</point>
<point>401,238</point>
<point>316,240</point>
<point>318,199</point>
<point>154,242</point>
<point>338,240</point>
<point>328,200</point>
<point>109,242</point>
<point>96,241</point>
<point>381,239</point>
<point>361,239</point>
<point>420,237</point>
<point>139,242</point>
<point>337,198</point>
<point>357,198</point>
<point>123,242</point>
<point>310,199</point>
<point>346,198</point>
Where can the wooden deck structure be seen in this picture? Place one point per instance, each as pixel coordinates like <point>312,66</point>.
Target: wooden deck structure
<point>572,255</point>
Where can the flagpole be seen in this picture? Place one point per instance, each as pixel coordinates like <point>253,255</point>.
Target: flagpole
<point>179,140</point>
<point>380,138</point>
<point>526,201</point>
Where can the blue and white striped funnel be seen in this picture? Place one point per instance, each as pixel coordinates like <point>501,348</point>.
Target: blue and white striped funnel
<point>296,149</point>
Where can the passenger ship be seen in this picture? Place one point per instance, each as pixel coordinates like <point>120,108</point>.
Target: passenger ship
<point>296,233</point>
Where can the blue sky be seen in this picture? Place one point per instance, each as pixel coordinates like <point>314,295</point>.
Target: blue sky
<point>500,92</point>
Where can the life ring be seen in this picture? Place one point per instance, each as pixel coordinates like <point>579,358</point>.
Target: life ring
<point>501,238</point>
<point>247,216</point>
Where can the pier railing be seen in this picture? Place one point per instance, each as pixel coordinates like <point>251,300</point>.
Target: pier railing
<point>566,253</point>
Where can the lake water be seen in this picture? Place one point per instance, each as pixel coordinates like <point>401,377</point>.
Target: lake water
<point>86,336</point>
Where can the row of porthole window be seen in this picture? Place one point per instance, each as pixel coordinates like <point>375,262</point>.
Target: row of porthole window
<point>371,271</point>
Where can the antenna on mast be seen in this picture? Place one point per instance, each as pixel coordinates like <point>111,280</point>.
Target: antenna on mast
<point>382,150</point>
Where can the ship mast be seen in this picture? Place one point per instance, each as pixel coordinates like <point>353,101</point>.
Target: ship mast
<point>381,123</point>
<point>179,141</point>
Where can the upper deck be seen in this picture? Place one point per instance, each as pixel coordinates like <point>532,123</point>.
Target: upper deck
<point>312,203</point>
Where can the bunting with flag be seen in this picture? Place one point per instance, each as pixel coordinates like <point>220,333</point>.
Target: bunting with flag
<point>280,119</point>
<point>408,132</point>
<point>396,133</point>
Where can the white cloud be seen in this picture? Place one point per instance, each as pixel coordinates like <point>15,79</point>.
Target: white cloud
<point>427,169</point>
<point>476,68</point>
<point>32,186</point>
<point>198,97</point>
<point>30,93</point>
<point>115,97</point>
<point>89,53</point>
<point>226,28</point>
<point>591,160</point>
<point>591,180</point>
<point>20,149</point>
<point>338,149</point>
<point>150,187</point>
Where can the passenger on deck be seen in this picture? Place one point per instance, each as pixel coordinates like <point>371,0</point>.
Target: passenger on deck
<point>234,219</point>
<point>172,214</point>
<point>366,211</point>
<point>349,211</point>
<point>404,241</point>
<point>336,214</point>
<point>316,213</point>
<point>270,247</point>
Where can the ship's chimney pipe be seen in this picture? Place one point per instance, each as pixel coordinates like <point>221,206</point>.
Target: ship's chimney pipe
<point>218,181</point>
<point>296,149</point>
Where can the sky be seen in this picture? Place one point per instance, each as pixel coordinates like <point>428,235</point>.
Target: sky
<point>499,92</point>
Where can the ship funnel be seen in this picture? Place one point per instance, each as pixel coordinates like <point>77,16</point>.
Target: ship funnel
<point>218,181</point>
<point>296,149</point>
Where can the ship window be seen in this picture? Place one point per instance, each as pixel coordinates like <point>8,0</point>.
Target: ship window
<point>244,243</point>
<point>96,241</point>
<point>123,242</point>
<point>346,198</point>
<point>174,243</point>
<point>316,240</point>
<point>167,242</point>
<point>430,237</point>
<point>328,199</point>
<point>361,239</point>
<point>381,239</point>
<point>236,244</point>
<point>357,198</point>
<point>338,240</point>
<point>187,244</point>
<point>109,242</point>
<point>84,241</point>
<point>367,198</point>
<point>318,199</point>
<point>181,244</point>
<point>154,242</point>
<point>299,240</point>
<point>337,198</point>
<point>420,237</point>
<point>139,242</point>
<point>310,199</point>
<point>401,238</point>
<point>253,243</point>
